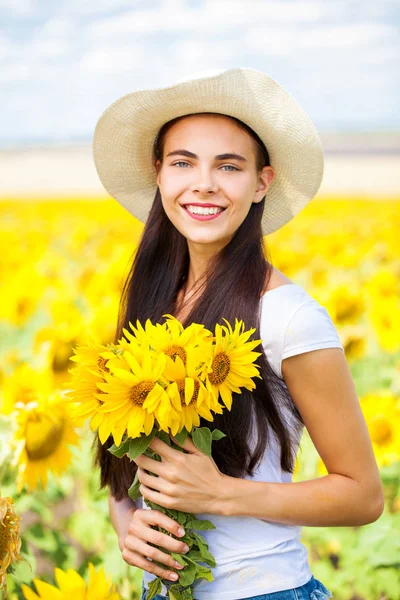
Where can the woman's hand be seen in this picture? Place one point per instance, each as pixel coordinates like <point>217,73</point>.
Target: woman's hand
<point>136,549</point>
<point>188,482</point>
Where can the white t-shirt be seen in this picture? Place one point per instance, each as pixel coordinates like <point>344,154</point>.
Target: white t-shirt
<point>256,556</point>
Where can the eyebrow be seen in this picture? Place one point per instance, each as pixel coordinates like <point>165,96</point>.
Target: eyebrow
<point>226,156</point>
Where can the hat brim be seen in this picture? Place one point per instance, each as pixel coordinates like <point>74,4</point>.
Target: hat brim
<point>125,133</point>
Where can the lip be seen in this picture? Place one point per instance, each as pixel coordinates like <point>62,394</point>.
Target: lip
<point>202,217</point>
<point>204,204</point>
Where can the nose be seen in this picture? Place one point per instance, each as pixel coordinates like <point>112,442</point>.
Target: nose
<point>204,183</point>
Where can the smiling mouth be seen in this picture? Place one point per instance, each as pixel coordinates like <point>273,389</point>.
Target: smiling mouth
<point>203,210</point>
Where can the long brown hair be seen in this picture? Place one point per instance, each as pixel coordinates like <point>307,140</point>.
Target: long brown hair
<point>233,287</point>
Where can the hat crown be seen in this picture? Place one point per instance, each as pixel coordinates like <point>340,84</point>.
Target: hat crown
<point>125,134</point>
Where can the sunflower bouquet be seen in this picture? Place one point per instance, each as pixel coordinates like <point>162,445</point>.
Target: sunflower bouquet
<point>157,382</point>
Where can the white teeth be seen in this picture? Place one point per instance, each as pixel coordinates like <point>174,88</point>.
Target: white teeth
<point>201,210</point>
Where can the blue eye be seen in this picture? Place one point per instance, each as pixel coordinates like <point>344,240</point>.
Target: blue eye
<point>231,167</point>
<point>180,162</point>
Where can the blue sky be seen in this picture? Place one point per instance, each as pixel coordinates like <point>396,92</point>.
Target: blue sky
<point>63,63</point>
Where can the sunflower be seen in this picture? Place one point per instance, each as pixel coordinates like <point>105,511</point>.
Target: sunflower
<point>188,394</point>
<point>129,392</point>
<point>86,376</point>
<point>91,355</point>
<point>171,337</point>
<point>44,430</point>
<point>10,541</point>
<point>71,585</point>
<point>232,365</point>
<point>381,410</point>
<point>26,384</point>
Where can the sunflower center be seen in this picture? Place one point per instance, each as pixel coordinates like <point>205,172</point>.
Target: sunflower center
<point>9,534</point>
<point>139,392</point>
<point>174,351</point>
<point>102,364</point>
<point>381,431</point>
<point>4,537</point>
<point>43,435</point>
<point>181,388</point>
<point>220,368</point>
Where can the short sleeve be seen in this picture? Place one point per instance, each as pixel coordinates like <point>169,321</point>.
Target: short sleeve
<point>310,328</point>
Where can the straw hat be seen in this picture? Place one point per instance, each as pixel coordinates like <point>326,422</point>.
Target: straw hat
<point>125,133</point>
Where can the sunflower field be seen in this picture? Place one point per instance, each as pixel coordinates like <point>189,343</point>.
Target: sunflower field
<point>62,265</point>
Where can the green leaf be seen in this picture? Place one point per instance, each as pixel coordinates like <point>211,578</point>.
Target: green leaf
<point>120,450</point>
<point>164,437</point>
<point>204,551</point>
<point>217,434</point>
<point>181,436</point>
<point>200,525</point>
<point>179,558</point>
<point>204,573</point>
<point>155,587</point>
<point>133,491</point>
<point>175,593</point>
<point>202,439</point>
<point>138,445</point>
<point>204,556</point>
<point>188,574</point>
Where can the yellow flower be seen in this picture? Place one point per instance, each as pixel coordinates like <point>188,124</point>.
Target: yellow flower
<point>354,339</point>
<point>344,304</point>
<point>232,361</point>
<point>83,385</point>
<point>43,433</point>
<point>132,393</point>
<point>10,541</point>
<point>385,318</point>
<point>188,395</point>
<point>382,414</point>
<point>171,337</point>
<point>26,384</point>
<point>72,585</point>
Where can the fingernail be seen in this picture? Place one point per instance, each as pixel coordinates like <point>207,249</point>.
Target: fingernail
<point>178,565</point>
<point>181,531</point>
<point>186,548</point>
<point>173,576</point>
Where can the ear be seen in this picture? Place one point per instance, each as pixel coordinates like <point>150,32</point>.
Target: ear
<point>158,168</point>
<point>265,178</point>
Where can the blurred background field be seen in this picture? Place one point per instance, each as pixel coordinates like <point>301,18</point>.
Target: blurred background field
<point>62,265</point>
<point>65,247</point>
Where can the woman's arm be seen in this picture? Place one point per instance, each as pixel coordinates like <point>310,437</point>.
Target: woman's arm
<point>121,513</point>
<point>322,388</point>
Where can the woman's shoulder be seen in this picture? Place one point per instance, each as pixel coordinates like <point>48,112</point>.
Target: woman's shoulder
<point>276,280</point>
<point>282,292</point>
<point>292,322</point>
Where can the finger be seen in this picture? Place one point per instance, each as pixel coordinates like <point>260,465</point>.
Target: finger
<point>158,497</point>
<point>163,540</point>
<point>138,560</point>
<point>155,466</point>
<point>156,517</point>
<point>156,483</point>
<point>156,555</point>
<point>163,449</point>
<point>188,444</point>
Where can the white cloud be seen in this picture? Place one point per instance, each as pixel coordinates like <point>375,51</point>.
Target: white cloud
<point>283,40</point>
<point>56,27</point>
<point>216,17</point>
<point>114,60</point>
<point>70,67</point>
<point>18,7</point>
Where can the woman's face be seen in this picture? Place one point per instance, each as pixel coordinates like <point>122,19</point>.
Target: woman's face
<point>208,178</point>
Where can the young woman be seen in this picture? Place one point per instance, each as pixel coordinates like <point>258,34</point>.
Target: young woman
<point>212,164</point>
